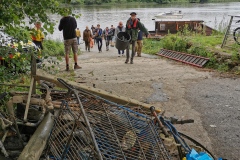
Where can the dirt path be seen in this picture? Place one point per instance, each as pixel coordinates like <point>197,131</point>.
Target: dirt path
<point>181,90</point>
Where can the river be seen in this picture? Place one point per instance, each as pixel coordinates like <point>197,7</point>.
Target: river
<point>213,14</point>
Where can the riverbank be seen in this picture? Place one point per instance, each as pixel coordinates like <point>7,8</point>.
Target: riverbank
<point>133,2</point>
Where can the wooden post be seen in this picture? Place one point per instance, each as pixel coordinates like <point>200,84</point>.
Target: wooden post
<point>32,89</point>
<point>33,73</point>
<point>29,98</point>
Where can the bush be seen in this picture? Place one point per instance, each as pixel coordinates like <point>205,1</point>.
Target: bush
<point>53,48</point>
<point>176,43</point>
<point>151,46</point>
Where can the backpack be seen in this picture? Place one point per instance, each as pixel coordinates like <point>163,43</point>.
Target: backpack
<point>99,32</point>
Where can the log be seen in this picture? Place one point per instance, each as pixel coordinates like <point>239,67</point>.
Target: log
<point>38,141</point>
<point>106,95</point>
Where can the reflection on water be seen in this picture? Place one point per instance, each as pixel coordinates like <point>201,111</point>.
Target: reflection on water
<point>211,13</point>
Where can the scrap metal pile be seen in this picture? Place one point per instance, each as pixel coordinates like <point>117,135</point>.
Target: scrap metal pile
<point>77,125</point>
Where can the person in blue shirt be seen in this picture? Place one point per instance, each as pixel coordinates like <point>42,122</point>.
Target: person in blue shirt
<point>98,36</point>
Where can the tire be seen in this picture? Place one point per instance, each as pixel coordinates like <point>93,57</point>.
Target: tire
<point>236,35</point>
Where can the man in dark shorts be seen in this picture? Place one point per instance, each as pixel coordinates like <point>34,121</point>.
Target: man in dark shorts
<point>68,25</point>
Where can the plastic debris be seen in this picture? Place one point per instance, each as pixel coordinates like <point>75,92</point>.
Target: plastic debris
<point>193,155</point>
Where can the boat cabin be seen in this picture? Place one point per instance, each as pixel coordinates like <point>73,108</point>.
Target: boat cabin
<point>163,27</point>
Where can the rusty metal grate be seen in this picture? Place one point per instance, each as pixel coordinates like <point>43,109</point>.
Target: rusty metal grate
<point>101,129</point>
<point>184,57</point>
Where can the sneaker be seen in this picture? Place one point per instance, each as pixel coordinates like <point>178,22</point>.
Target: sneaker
<point>126,61</point>
<point>67,68</point>
<point>77,67</point>
<point>131,62</point>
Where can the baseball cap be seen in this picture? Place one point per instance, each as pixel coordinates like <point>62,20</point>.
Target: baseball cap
<point>133,13</point>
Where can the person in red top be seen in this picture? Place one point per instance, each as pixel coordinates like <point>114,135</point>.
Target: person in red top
<point>132,28</point>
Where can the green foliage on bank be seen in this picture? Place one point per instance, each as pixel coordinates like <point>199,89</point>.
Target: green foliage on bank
<point>196,44</point>
<point>53,48</point>
<point>93,2</point>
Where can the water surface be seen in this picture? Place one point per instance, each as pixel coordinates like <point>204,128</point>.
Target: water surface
<point>212,14</point>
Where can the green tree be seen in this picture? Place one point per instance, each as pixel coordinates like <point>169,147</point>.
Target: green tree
<point>15,13</point>
<point>16,16</point>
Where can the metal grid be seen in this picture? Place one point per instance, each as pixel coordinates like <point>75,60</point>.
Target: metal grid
<point>70,138</point>
<point>104,130</point>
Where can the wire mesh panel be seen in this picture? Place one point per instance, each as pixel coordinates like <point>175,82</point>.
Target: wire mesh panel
<point>104,130</point>
<point>70,139</point>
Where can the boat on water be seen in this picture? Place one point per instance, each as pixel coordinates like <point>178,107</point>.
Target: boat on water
<point>170,15</point>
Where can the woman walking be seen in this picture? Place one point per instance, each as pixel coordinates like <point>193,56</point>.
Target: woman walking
<point>87,35</point>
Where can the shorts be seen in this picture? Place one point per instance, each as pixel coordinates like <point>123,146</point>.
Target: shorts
<point>71,43</point>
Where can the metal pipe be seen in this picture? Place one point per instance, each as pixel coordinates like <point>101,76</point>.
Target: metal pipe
<point>152,109</point>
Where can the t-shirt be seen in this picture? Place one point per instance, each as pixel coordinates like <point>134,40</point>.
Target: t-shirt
<point>68,25</point>
<point>78,33</point>
<point>37,35</point>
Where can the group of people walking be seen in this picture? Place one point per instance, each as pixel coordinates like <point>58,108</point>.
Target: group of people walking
<point>96,36</point>
<point>72,36</point>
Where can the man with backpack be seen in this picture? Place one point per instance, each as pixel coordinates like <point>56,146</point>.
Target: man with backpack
<point>98,36</point>
<point>132,28</point>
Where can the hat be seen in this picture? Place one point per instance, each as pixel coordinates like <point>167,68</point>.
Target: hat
<point>133,13</point>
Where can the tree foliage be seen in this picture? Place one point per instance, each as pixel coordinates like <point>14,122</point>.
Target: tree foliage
<point>15,14</point>
<point>16,17</point>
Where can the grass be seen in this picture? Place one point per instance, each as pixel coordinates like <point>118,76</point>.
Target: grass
<point>53,48</point>
<point>196,44</point>
<point>151,46</point>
